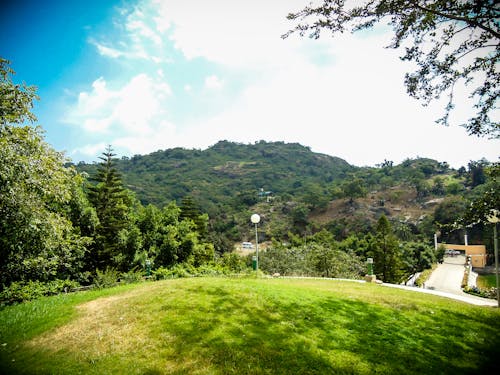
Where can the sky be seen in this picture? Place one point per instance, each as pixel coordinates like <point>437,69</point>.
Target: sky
<point>148,75</point>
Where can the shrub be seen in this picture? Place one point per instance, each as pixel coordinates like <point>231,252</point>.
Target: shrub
<point>106,279</point>
<point>481,292</point>
<point>177,271</point>
<point>132,276</point>
<point>424,276</point>
<point>21,291</point>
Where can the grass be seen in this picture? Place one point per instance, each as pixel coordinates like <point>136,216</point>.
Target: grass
<point>249,326</point>
<point>486,281</point>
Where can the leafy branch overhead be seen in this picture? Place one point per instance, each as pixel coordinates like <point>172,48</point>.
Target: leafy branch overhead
<point>16,100</point>
<point>455,45</point>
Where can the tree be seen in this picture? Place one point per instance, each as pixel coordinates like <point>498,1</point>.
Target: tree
<point>190,210</point>
<point>354,188</point>
<point>486,198</point>
<point>386,253</point>
<point>452,43</point>
<point>477,175</point>
<point>113,204</point>
<point>37,238</point>
<point>16,101</point>
<point>417,256</point>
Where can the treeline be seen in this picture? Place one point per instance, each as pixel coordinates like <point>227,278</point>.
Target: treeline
<point>230,180</point>
<point>321,255</point>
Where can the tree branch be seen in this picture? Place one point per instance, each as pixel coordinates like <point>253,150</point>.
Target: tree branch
<point>469,21</point>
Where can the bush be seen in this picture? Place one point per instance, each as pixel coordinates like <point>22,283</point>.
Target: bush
<point>480,292</point>
<point>424,276</point>
<point>106,279</point>
<point>187,270</point>
<point>177,271</point>
<point>132,276</point>
<point>21,291</point>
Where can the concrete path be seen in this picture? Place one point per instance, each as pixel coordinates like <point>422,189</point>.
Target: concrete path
<point>446,281</point>
<point>448,276</point>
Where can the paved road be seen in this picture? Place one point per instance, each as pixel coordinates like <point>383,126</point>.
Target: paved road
<point>447,277</point>
<point>446,281</point>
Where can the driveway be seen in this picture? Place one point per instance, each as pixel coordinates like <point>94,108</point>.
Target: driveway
<point>447,277</point>
<point>446,281</point>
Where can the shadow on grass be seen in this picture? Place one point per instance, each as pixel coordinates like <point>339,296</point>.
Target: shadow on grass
<point>250,328</point>
<point>333,336</point>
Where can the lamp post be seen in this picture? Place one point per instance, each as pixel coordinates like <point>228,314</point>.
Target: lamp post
<point>255,219</point>
<point>493,219</point>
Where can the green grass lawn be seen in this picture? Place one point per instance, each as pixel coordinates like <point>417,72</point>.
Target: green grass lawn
<point>249,326</point>
<point>486,281</point>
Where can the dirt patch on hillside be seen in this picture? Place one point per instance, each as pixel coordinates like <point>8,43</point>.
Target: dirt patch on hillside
<point>105,325</point>
<point>398,202</point>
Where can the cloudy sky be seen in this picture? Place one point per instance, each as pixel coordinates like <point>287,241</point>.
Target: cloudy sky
<point>144,75</point>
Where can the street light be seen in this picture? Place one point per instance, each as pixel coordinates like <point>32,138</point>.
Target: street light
<point>493,219</point>
<point>255,218</point>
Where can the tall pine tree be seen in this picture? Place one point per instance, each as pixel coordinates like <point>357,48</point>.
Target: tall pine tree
<point>386,253</point>
<point>112,203</point>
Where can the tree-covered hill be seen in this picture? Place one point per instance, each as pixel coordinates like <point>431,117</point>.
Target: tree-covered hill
<point>299,191</point>
<point>228,173</point>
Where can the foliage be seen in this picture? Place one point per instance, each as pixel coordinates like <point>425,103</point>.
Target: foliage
<point>132,276</point>
<point>417,257</point>
<point>168,239</point>
<point>38,241</point>
<point>106,279</point>
<point>311,260</point>
<point>481,292</point>
<point>22,291</point>
<point>227,176</point>
<point>188,270</point>
<point>225,182</point>
<point>486,197</point>
<point>386,253</point>
<point>16,100</point>
<point>353,188</point>
<point>454,45</point>
<point>113,208</point>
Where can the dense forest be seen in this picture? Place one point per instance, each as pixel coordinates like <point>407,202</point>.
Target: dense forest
<point>179,212</point>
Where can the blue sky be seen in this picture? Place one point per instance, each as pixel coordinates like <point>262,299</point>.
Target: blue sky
<point>144,75</point>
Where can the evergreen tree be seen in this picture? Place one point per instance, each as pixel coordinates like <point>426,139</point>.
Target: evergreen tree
<point>112,203</point>
<point>190,210</point>
<point>386,253</point>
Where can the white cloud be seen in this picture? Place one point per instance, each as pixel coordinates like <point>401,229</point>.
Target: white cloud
<point>343,96</point>
<point>136,25</point>
<point>213,82</point>
<point>130,109</point>
<point>90,150</point>
<point>232,33</point>
<point>108,51</point>
<point>355,109</point>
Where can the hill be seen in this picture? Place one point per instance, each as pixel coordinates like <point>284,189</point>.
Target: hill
<point>227,172</point>
<point>249,326</point>
<point>296,190</point>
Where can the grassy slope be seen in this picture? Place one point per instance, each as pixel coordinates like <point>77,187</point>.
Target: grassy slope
<point>220,326</point>
<point>487,281</point>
